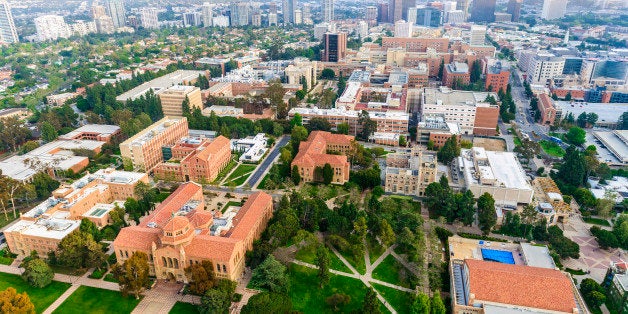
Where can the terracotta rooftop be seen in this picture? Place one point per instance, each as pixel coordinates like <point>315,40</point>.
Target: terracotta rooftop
<point>249,214</point>
<point>172,204</point>
<point>212,148</point>
<point>533,287</point>
<point>314,151</point>
<point>138,237</point>
<point>211,247</point>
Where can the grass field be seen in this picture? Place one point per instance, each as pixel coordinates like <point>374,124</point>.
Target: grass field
<point>95,300</point>
<point>307,297</point>
<point>239,181</point>
<point>225,171</point>
<point>241,170</point>
<point>41,297</point>
<point>229,204</point>
<point>6,258</point>
<point>308,255</point>
<point>388,271</point>
<point>401,301</point>
<point>184,308</point>
<point>596,221</point>
<point>375,249</point>
<point>356,261</point>
<point>552,149</point>
<point>4,222</point>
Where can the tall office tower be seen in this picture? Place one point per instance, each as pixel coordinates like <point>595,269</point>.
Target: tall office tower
<point>412,15</point>
<point>148,18</point>
<point>239,13</point>
<point>553,9</point>
<point>272,19</point>
<point>207,12</point>
<point>192,19</point>
<point>256,19</point>
<point>454,17</point>
<point>403,29</point>
<point>483,11</point>
<point>272,8</point>
<point>116,10</point>
<point>306,10</point>
<point>395,11</point>
<point>104,25</point>
<point>363,29</point>
<point>335,46</point>
<point>8,34</point>
<point>477,35</point>
<point>288,8</point>
<point>463,5</point>
<point>298,17</point>
<point>514,9</point>
<point>371,13</point>
<point>405,5</point>
<point>51,27</point>
<point>429,16</point>
<point>328,10</point>
<point>382,13</point>
<point>98,11</point>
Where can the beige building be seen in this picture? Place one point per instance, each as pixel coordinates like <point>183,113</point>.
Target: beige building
<point>143,151</point>
<point>410,172</point>
<point>92,197</point>
<point>549,201</point>
<point>302,69</point>
<point>172,99</point>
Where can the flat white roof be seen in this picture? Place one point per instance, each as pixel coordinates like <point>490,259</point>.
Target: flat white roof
<point>500,166</point>
<point>537,256</point>
<point>161,83</point>
<point>390,114</point>
<point>152,131</point>
<point>615,142</point>
<point>102,129</point>
<point>607,112</point>
<point>51,228</point>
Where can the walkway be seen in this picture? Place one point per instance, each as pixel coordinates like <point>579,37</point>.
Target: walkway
<point>367,278</point>
<point>265,166</point>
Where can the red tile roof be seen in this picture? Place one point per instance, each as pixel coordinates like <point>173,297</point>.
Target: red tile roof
<point>172,204</point>
<point>137,237</point>
<point>534,287</point>
<point>211,247</point>
<point>212,148</point>
<point>249,214</point>
<point>314,151</point>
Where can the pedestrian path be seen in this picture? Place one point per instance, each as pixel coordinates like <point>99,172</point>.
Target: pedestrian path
<point>61,299</point>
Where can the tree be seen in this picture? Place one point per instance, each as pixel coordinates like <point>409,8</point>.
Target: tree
<point>576,136</point>
<point>441,69</point>
<point>328,173</point>
<point>438,307</point>
<point>79,250</point>
<point>371,304</point>
<point>132,275</point>
<point>486,212</point>
<point>322,261</point>
<point>465,203</point>
<point>29,146</point>
<point>271,275</point>
<point>369,126</point>
<point>529,216</point>
<point>605,205</point>
<point>449,151</point>
<point>592,292</point>
<point>623,121</point>
<point>337,299</point>
<point>421,304</point>
<point>297,119</point>
<point>48,132</point>
<point>13,302</point>
<point>592,118</point>
<point>201,277</point>
<point>296,177</point>
<point>573,169</point>
<point>215,302</point>
<point>402,141</point>
<point>37,273</point>
<point>44,184</point>
<point>266,302</point>
<point>343,128</point>
<point>386,233</point>
<point>298,135</point>
<point>89,227</point>
<point>581,121</point>
<point>328,74</point>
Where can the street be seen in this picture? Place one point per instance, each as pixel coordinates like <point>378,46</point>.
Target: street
<point>267,163</point>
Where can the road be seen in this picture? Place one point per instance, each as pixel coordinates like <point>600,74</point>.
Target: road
<point>524,118</point>
<point>267,163</point>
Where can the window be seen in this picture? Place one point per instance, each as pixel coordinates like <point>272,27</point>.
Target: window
<point>224,268</point>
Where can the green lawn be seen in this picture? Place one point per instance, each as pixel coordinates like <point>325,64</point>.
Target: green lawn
<point>356,261</point>
<point>109,277</point>
<point>229,204</point>
<point>6,258</point>
<point>307,297</point>
<point>262,184</point>
<point>41,297</point>
<point>375,249</point>
<point>241,170</point>
<point>552,148</point>
<point>184,308</point>
<point>239,181</point>
<point>95,300</point>
<point>225,171</point>
<point>308,255</point>
<point>400,300</point>
<point>388,271</point>
<point>596,221</point>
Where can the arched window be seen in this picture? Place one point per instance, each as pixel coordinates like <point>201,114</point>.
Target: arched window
<point>163,259</point>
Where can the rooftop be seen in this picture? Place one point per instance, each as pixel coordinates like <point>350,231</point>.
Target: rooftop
<point>615,141</point>
<point>607,112</point>
<point>457,67</point>
<point>152,131</point>
<point>447,96</point>
<point>56,227</point>
<point>537,256</point>
<point>101,129</point>
<point>392,115</point>
<point>157,85</point>
<point>493,168</point>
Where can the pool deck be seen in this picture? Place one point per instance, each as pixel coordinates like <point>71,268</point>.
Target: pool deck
<point>462,248</point>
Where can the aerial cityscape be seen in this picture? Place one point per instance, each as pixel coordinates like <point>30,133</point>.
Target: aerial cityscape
<point>314,156</point>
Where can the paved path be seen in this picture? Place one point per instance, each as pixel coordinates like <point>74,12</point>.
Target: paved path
<point>61,299</point>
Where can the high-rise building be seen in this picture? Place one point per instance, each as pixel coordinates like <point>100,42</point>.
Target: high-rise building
<point>335,46</point>
<point>148,17</point>
<point>429,16</point>
<point>298,17</point>
<point>328,10</point>
<point>51,27</point>
<point>543,67</point>
<point>403,29</point>
<point>239,14</point>
<point>98,11</point>
<point>553,9</point>
<point>363,29</point>
<point>256,19</point>
<point>477,35</point>
<point>306,10</point>
<point>192,19</point>
<point>395,11</point>
<point>116,10</point>
<point>272,19</point>
<point>288,8</point>
<point>382,13</point>
<point>8,34</point>
<point>272,8</point>
<point>454,17</point>
<point>104,25</point>
<point>463,5</point>
<point>207,12</point>
<point>483,11</point>
<point>514,8</point>
<point>412,14</point>
<point>371,13</point>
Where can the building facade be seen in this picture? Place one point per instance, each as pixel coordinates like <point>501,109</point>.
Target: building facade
<point>117,11</point>
<point>335,47</point>
<point>8,33</point>
<point>410,172</point>
<point>314,155</point>
<point>172,99</point>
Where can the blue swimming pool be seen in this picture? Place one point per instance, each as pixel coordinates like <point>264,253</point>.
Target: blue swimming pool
<point>498,256</point>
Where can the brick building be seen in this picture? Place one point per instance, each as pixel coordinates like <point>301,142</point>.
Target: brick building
<point>414,44</point>
<point>547,109</point>
<point>313,154</point>
<point>497,77</point>
<point>195,159</point>
<point>456,73</point>
<point>180,232</point>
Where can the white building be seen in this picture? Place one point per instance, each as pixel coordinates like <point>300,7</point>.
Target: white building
<point>477,35</point>
<point>51,27</point>
<point>192,19</point>
<point>8,33</point>
<point>496,173</point>
<point>252,147</point>
<point>403,29</point>
<point>82,28</point>
<point>412,15</point>
<point>221,21</point>
<point>117,12</point>
<point>543,67</point>
<point>328,10</point>
<point>148,18</point>
<point>104,24</point>
<point>320,30</point>
<point>272,19</point>
<point>207,14</point>
<point>363,29</point>
<point>553,9</point>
